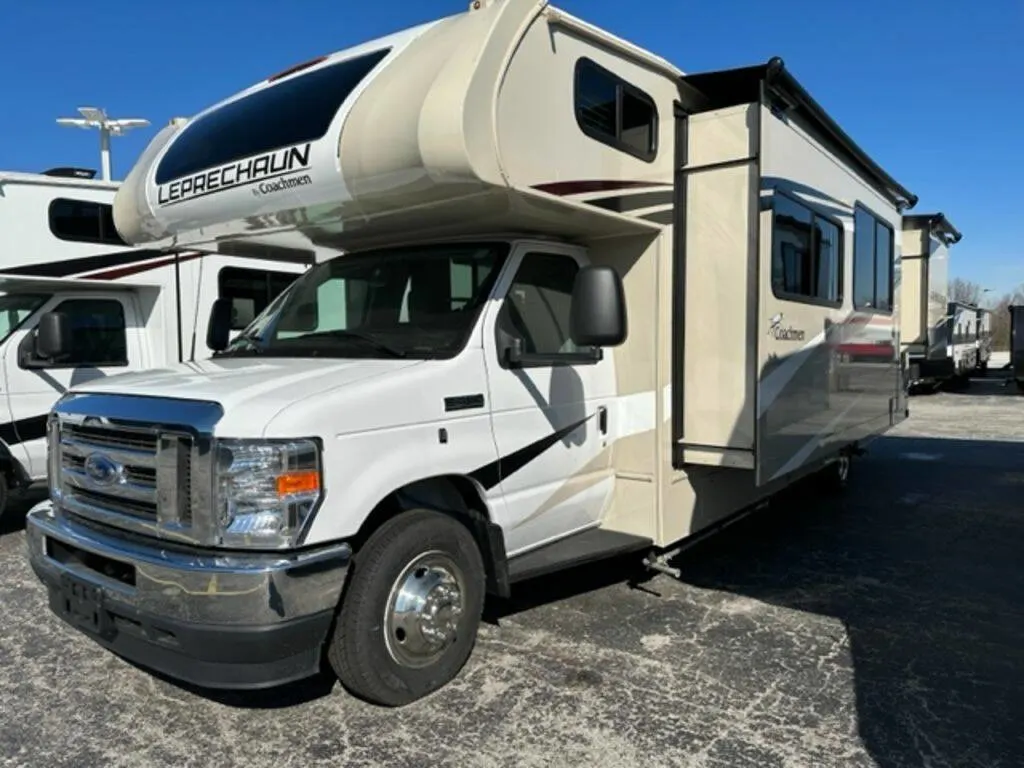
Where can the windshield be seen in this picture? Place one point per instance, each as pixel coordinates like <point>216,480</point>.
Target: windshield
<point>419,302</point>
<point>15,309</point>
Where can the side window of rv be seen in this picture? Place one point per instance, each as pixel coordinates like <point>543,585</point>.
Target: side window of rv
<point>806,254</point>
<point>84,221</point>
<point>872,262</point>
<point>615,112</point>
<point>250,291</point>
<point>98,335</point>
<point>536,308</point>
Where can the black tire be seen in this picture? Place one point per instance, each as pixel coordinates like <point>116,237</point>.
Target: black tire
<point>374,659</point>
<point>5,493</point>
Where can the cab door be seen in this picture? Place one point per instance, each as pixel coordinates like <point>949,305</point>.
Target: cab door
<point>550,416</point>
<point>107,339</point>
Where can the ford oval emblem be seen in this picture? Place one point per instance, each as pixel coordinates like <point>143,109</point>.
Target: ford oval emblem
<point>102,470</point>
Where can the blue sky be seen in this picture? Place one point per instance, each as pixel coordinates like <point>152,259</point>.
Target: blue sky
<point>933,89</point>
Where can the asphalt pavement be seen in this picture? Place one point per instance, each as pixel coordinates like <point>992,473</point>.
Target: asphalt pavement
<point>885,628</point>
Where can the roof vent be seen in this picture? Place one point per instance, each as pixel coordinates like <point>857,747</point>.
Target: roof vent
<point>71,173</point>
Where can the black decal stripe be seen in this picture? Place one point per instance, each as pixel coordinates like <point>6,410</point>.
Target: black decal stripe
<point>582,186</point>
<point>83,264</point>
<point>23,430</point>
<point>463,402</point>
<point>624,203</point>
<point>665,217</point>
<point>490,474</point>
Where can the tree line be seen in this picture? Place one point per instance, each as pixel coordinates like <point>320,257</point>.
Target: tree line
<point>971,293</point>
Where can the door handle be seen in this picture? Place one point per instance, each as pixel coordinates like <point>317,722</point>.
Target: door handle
<point>602,419</point>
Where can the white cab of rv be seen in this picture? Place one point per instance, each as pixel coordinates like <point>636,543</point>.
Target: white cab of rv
<point>121,308</point>
<point>585,304</point>
<point>924,296</point>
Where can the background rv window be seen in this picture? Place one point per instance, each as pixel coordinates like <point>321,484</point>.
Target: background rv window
<point>872,262</point>
<point>806,254</point>
<point>610,110</point>
<point>84,221</point>
<point>16,308</point>
<point>98,337</point>
<point>250,291</point>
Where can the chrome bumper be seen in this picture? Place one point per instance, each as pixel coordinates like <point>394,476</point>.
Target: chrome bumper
<point>207,589</point>
<point>229,621</point>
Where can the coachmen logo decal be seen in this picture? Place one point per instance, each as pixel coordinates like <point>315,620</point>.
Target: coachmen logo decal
<point>777,332</point>
<point>267,173</point>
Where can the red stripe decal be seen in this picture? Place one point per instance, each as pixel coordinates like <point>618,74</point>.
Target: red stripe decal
<point>562,188</point>
<point>134,269</point>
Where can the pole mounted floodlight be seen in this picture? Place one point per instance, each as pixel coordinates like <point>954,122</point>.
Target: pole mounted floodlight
<point>97,118</point>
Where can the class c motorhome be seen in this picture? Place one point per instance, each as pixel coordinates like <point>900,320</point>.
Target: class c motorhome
<point>586,304</point>
<point>124,308</point>
<point>924,299</point>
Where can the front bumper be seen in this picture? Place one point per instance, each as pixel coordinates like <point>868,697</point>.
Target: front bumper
<point>216,620</point>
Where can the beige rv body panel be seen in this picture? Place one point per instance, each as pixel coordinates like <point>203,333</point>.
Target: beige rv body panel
<point>913,287</point>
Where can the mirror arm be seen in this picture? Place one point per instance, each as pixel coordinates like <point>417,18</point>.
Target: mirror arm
<point>522,359</point>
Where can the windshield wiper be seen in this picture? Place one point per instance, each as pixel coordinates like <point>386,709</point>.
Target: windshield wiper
<point>353,334</point>
<point>251,347</point>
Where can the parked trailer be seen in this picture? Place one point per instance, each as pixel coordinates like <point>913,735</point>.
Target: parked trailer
<point>924,299</point>
<point>962,340</point>
<point>456,404</point>
<point>984,340</point>
<point>1017,345</point>
<point>125,308</point>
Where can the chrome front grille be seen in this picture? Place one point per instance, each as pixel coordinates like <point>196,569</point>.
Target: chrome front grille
<point>128,471</point>
<point>117,461</point>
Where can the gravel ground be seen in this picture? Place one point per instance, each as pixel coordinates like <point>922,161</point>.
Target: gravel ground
<point>880,629</point>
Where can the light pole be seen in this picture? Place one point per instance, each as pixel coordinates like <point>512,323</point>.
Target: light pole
<point>97,118</point>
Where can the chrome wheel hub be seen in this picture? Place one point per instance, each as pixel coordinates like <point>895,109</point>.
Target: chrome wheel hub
<point>421,619</point>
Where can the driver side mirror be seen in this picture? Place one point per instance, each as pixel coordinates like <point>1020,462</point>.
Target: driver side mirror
<point>53,336</point>
<point>218,332</point>
<point>597,315</point>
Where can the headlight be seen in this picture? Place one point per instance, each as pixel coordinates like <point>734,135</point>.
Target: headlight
<point>265,490</point>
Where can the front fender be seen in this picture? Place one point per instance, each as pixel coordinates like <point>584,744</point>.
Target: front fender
<point>362,469</point>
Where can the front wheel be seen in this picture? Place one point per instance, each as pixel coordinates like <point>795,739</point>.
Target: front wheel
<point>409,617</point>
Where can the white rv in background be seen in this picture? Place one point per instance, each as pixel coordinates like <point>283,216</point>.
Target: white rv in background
<point>127,309</point>
<point>924,300</point>
<point>586,305</point>
<point>962,337</point>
